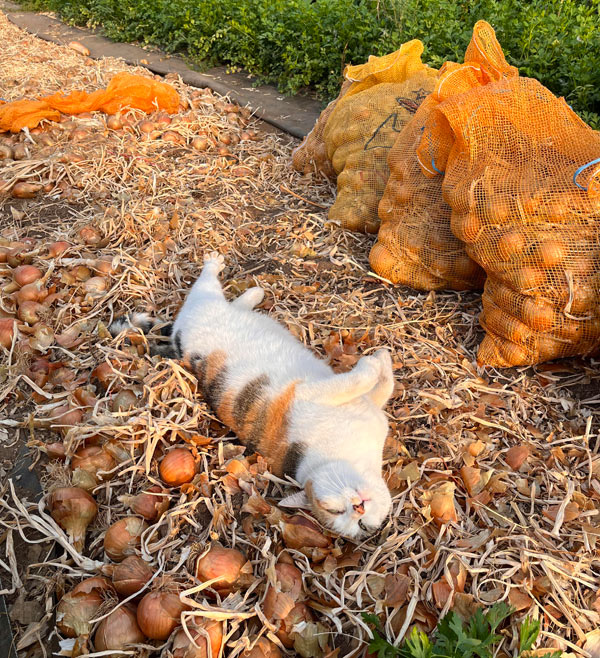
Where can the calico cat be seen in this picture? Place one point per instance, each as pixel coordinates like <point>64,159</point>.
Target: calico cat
<point>326,430</point>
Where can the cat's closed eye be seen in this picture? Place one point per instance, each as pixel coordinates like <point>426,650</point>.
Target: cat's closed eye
<point>333,511</point>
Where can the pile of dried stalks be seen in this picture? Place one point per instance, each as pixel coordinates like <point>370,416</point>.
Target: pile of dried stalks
<point>495,474</point>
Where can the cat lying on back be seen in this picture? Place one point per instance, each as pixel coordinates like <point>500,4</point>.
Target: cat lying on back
<point>326,430</point>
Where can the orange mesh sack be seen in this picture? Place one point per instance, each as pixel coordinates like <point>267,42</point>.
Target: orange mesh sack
<point>364,125</point>
<point>311,154</point>
<point>522,177</point>
<point>415,245</point>
<point>125,90</point>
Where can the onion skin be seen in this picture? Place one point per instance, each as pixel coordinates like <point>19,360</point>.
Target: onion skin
<point>147,503</point>
<point>131,575</point>
<point>80,605</point>
<point>177,467</point>
<point>25,274</point>
<point>223,563</point>
<point>300,532</point>
<point>8,328</point>
<point>263,649</point>
<point>117,631</point>
<point>300,612</point>
<point>122,538</point>
<point>73,509</point>
<point>183,648</point>
<point>29,312</point>
<point>26,190</point>
<point>94,459</point>
<point>159,613</point>
<point>58,248</point>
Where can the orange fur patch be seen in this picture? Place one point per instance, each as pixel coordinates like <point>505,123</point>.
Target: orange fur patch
<point>273,443</point>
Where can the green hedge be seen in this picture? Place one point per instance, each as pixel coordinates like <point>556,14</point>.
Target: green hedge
<point>304,43</point>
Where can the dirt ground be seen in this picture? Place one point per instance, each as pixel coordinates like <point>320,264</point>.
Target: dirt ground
<point>514,451</point>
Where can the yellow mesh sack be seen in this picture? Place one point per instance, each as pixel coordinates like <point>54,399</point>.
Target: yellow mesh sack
<point>311,154</point>
<point>363,126</point>
<point>125,90</point>
<point>415,245</point>
<point>522,176</point>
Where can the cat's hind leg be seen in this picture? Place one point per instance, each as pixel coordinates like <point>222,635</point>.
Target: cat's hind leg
<point>250,298</point>
<point>207,285</point>
<point>383,389</point>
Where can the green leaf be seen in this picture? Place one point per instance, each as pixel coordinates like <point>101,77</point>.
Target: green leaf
<point>530,629</point>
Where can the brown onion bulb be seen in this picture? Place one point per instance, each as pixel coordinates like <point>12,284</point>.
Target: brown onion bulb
<point>94,460</point>
<point>63,417</point>
<point>300,532</point>
<point>79,606</point>
<point>299,613</point>
<point>8,328</point>
<point>29,312</point>
<point>31,292</point>
<point>131,575</point>
<point>263,648</point>
<point>43,337</point>
<point>25,274</point>
<point>118,631</point>
<point>159,613</point>
<point>150,504</point>
<point>223,563</point>
<point>281,597</point>
<point>183,648</point>
<point>123,536</point>
<point>177,467</point>
<point>90,235</point>
<point>58,248</point>
<point>114,122</point>
<point>73,509</point>
<point>26,190</point>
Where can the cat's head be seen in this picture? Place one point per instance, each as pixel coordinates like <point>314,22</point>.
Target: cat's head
<point>344,500</point>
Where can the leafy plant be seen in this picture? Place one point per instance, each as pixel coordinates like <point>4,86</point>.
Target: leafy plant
<point>299,43</point>
<point>453,638</point>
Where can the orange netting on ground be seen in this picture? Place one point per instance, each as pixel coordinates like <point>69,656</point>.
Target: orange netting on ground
<point>415,245</point>
<point>522,177</point>
<point>356,132</point>
<point>125,90</point>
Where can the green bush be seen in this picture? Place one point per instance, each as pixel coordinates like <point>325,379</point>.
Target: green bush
<point>302,43</point>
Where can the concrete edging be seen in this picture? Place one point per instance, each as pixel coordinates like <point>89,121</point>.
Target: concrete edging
<point>295,115</point>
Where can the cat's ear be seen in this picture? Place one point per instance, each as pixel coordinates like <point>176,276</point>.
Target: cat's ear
<point>298,499</point>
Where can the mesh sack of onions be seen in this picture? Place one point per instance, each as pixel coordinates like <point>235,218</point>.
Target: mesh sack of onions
<point>415,245</point>
<point>358,129</point>
<point>522,177</point>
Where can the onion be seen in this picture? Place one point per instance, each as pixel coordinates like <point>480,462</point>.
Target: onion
<point>31,292</point>
<point>511,244</point>
<point>94,460</point>
<point>118,631</point>
<point>183,648</point>
<point>79,606</point>
<point>300,532</point>
<point>29,312</point>
<point>117,450</point>
<point>90,235</point>
<point>81,273</point>
<point>177,467</point>
<point>263,648</point>
<point>64,417</point>
<point>200,143</point>
<point>173,137</point>
<point>114,122</point>
<point>131,575</point>
<point>124,400</point>
<point>551,253</point>
<point>442,507</point>
<point>103,266</point>
<point>5,152</point>
<point>26,190</point>
<point>79,134</point>
<point>147,126</point>
<point>73,509</point>
<point>122,538</point>
<point>159,613</point>
<point>20,152</point>
<point>281,597</point>
<point>8,329</point>
<point>54,450</point>
<point>57,248</point>
<point>150,504</point>
<point>84,397</point>
<point>43,337</point>
<point>222,563</point>
<point>299,613</point>
<point>95,286</point>
<point>25,274</point>
<point>105,374</point>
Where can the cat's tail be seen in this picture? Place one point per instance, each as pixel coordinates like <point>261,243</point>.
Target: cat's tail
<point>145,323</point>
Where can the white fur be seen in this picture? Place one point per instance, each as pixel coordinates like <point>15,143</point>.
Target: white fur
<point>338,418</point>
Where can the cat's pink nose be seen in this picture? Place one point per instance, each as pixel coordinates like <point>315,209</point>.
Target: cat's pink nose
<point>360,508</point>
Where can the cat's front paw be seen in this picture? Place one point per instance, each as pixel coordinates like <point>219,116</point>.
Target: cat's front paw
<point>214,259</point>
